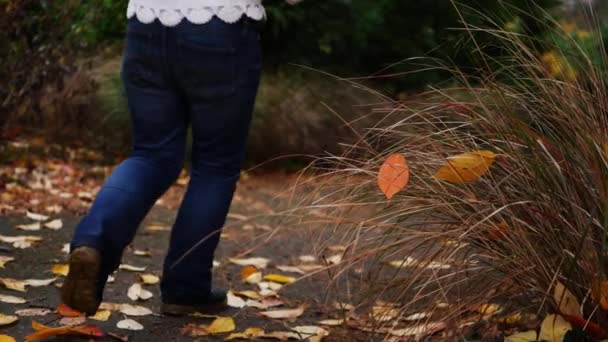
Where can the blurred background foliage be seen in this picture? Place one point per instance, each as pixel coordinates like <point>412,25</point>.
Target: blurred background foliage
<point>61,58</point>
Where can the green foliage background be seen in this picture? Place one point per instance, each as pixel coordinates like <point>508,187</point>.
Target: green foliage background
<point>44,43</point>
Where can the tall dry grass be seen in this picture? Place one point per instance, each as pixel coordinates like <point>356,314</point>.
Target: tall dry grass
<point>538,217</point>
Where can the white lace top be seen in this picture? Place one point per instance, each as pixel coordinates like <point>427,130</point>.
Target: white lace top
<point>172,12</point>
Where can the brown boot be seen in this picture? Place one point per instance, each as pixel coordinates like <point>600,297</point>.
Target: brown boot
<point>80,290</point>
<point>214,303</point>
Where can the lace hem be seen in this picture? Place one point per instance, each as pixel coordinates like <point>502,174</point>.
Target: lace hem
<point>195,11</point>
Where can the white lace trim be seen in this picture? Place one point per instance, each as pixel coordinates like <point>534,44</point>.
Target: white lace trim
<point>172,12</point>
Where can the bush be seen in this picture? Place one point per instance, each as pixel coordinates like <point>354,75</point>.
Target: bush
<point>520,225</point>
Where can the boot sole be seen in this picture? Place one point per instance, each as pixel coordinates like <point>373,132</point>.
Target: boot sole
<point>184,310</point>
<point>80,288</point>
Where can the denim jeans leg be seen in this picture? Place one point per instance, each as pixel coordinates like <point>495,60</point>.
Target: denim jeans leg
<point>158,135</point>
<point>219,70</point>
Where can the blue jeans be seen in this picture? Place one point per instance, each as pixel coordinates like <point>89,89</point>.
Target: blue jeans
<point>203,76</point>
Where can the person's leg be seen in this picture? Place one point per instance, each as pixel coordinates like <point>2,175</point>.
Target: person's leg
<point>158,136</point>
<point>219,67</point>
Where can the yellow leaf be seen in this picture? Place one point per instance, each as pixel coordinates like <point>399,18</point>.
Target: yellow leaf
<point>221,325</point>
<point>7,319</point>
<point>149,279</point>
<point>510,319</point>
<point>249,333</point>
<point>278,278</point>
<point>488,310</point>
<point>526,336</point>
<point>466,167</point>
<point>6,338</point>
<point>61,269</point>
<point>253,278</point>
<point>101,315</point>
<point>554,328</point>
<point>13,284</point>
<point>567,302</point>
<point>257,262</point>
<point>394,175</point>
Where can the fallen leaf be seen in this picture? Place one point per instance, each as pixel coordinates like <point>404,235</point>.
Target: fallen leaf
<point>36,217</point>
<point>71,321</point>
<point>592,329</point>
<point>101,315</point>
<point>13,284</point>
<point>247,294</point>
<point>554,328</point>
<point>526,336</point>
<point>307,258</point>
<point>65,248</point>
<point>247,334</point>
<point>419,331</point>
<point>6,338</point>
<point>157,228</point>
<point>32,227</point>
<point>278,278</point>
<point>307,331</point>
<point>271,302</point>
<point>253,278</point>
<point>7,319</point>
<point>264,285</point>
<point>383,313</point>
<point>394,175</point>
<point>332,322</point>
<point>250,303</point>
<point>234,301</point>
<point>488,310</point>
<point>221,325</point>
<point>33,312</point>
<point>466,167</point>
<point>284,314</point>
<point>257,262</point>
<point>567,302</point>
<point>54,225</point>
<point>149,279</point>
<point>39,282</point>
<point>4,260</point>
<point>134,310</point>
<point>510,319</point>
<point>292,269</point>
<point>22,242</point>
<point>61,269</point>
<point>131,268</point>
<point>136,292</point>
<point>127,309</point>
<point>417,316</point>
<point>247,271</point>
<point>67,311</point>
<point>129,324</point>
<point>12,299</point>
<point>344,306</point>
<point>335,259</point>
<point>139,252</point>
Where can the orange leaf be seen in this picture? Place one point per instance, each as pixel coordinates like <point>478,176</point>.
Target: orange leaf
<point>67,311</point>
<point>247,271</point>
<point>44,332</point>
<point>599,292</point>
<point>394,175</point>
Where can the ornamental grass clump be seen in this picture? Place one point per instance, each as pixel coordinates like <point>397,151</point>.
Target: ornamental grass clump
<point>483,208</point>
